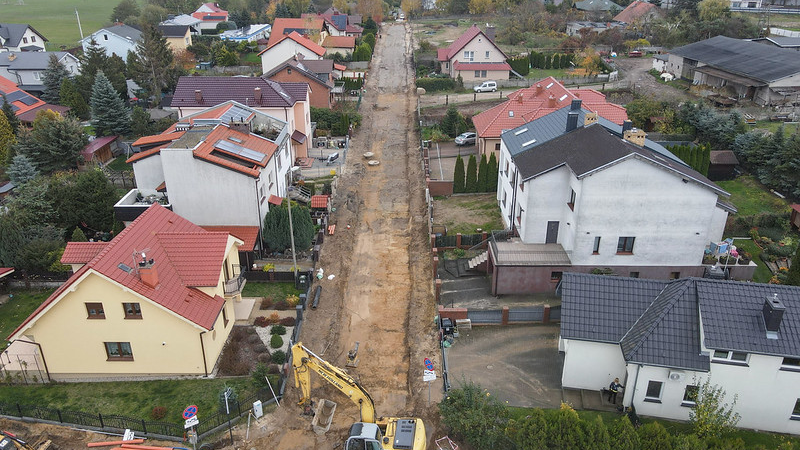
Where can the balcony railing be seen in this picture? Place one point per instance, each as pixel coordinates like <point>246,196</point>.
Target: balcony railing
<point>235,285</point>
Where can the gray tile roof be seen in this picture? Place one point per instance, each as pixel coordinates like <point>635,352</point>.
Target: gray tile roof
<point>541,130</point>
<point>173,30</point>
<point>745,58</point>
<point>125,31</point>
<point>216,90</point>
<point>27,60</point>
<point>603,308</point>
<point>12,33</point>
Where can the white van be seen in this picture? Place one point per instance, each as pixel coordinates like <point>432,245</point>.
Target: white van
<point>486,86</point>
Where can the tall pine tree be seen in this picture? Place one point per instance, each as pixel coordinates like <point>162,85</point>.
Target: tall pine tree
<point>458,176</point>
<point>11,116</point>
<point>54,142</point>
<point>152,68</point>
<point>109,114</point>
<point>7,140</point>
<point>793,277</point>
<point>471,181</point>
<point>71,97</point>
<point>21,170</point>
<point>52,78</point>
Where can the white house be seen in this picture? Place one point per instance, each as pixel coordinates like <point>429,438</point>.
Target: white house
<point>289,46</point>
<point>664,339</point>
<point>20,37</point>
<point>584,193</point>
<point>115,40</point>
<point>475,57</point>
<point>216,167</point>
<point>26,69</point>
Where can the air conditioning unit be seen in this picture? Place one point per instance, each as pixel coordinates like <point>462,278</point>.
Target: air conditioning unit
<point>675,375</point>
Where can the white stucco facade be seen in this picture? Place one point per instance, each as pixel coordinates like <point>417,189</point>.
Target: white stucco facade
<point>30,41</point>
<point>112,43</point>
<point>479,50</point>
<point>283,50</point>
<point>590,365</point>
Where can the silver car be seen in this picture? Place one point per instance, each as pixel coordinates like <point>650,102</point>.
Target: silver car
<point>467,138</point>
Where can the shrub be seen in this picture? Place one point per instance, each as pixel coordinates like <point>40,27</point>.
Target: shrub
<point>779,250</point>
<point>273,319</point>
<point>260,321</point>
<point>253,339</point>
<point>267,267</point>
<point>278,329</point>
<point>259,375</point>
<point>709,259</point>
<point>274,369</point>
<point>287,321</point>
<point>239,334</point>
<point>436,84</point>
<point>276,341</point>
<point>292,300</point>
<point>278,356</point>
<point>158,413</point>
<point>260,348</point>
<point>266,303</point>
<point>264,357</point>
<point>282,305</point>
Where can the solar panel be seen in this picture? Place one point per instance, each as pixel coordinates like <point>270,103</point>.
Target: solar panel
<point>235,114</point>
<point>240,151</point>
<point>28,100</point>
<point>16,95</point>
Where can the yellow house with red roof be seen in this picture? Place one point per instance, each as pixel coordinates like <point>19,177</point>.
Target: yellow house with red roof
<point>474,57</point>
<point>156,301</point>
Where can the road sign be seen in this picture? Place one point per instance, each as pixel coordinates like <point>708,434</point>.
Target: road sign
<point>428,375</point>
<point>190,412</point>
<point>190,422</point>
<point>428,364</point>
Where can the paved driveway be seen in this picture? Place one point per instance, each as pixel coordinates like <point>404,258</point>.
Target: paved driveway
<point>516,364</point>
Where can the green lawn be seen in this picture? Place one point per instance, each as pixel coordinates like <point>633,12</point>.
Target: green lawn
<point>119,164</point>
<point>538,74</point>
<point>130,399</point>
<point>788,128</point>
<point>56,20</point>
<point>762,274</point>
<point>278,291</point>
<point>251,58</point>
<point>750,197</point>
<point>466,213</point>
<point>18,308</point>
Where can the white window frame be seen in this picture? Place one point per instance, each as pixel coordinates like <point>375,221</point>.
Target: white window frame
<point>795,411</point>
<point>727,357</point>
<point>469,55</point>
<point>487,54</point>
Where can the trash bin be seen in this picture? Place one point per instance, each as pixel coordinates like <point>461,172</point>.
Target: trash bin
<point>302,282</point>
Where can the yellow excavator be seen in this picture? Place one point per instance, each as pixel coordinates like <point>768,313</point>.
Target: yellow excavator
<point>371,433</point>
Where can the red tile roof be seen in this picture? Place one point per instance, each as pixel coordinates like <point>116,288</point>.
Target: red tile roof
<point>319,201</point>
<point>302,40</point>
<point>96,145</point>
<point>458,65</point>
<point>339,66</point>
<point>542,98</point>
<point>27,113</point>
<point>339,42</point>
<point>4,271</point>
<point>167,136</point>
<point>283,26</point>
<point>275,200</point>
<point>246,234</point>
<point>149,152</point>
<point>446,54</point>
<point>81,252</point>
<point>185,255</point>
<point>635,11</point>
<point>210,150</point>
<point>217,90</point>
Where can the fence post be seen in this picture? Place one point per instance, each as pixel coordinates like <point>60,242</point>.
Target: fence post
<point>458,240</point>
<point>446,99</point>
<point>19,409</point>
<point>546,314</point>
<point>102,425</point>
<point>435,265</point>
<point>433,241</point>
<point>504,320</point>
<point>438,289</point>
<point>484,237</point>
<point>60,419</point>
<point>144,427</point>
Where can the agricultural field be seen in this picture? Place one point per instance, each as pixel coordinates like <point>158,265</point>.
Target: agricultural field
<point>56,19</point>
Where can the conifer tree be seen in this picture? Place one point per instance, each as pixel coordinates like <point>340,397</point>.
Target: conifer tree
<point>793,277</point>
<point>21,170</point>
<point>54,142</point>
<point>458,176</point>
<point>109,114</point>
<point>471,181</point>
<point>71,97</point>
<point>7,140</point>
<point>78,236</point>
<point>11,116</point>
<point>153,67</point>
<point>483,175</point>
<point>52,78</point>
<point>623,435</point>
<point>491,183</point>
<point>140,122</point>
<point>276,227</point>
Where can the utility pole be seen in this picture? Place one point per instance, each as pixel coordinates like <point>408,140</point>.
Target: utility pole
<point>80,29</point>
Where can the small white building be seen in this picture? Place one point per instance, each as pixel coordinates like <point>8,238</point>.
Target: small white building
<point>115,40</point>
<point>664,339</point>
<point>20,37</point>
<point>26,69</point>
<point>660,62</point>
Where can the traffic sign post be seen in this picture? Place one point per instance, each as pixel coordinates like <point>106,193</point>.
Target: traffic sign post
<point>428,375</point>
<point>190,415</point>
<point>189,412</point>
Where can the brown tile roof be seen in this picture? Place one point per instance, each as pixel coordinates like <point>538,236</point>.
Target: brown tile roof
<point>216,90</point>
<point>275,200</point>
<point>81,252</point>
<point>542,98</point>
<point>246,234</point>
<point>283,26</point>
<point>319,201</point>
<point>185,255</point>
<point>167,136</point>
<point>30,115</point>
<point>300,39</point>
<point>149,152</point>
<point>339,42</point>
<point>213,151</point>
<point>723,157</point>
<point>635,11</point>
<point>96,145</point>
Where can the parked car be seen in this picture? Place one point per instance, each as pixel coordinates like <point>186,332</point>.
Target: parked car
<point>467,138</point>
<point>486,86</point>
<point>635,54</point>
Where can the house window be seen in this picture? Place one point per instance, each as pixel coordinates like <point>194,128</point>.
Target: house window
<point>105,37</point>
<point>571,202</point>
<point>469,56</point>
<point>224,317</point>
<point>186,41</point>
<point>522,186</point>
<point>504,199</point>
<point>279,162</point>
<point>506,168</point>
<point>653,393</point>
<point>289,70</point>
<point>690,395</point>
<point>497,147</point>
<point>132,310</point>
<point>270,181</point>
<point>483,74</point>
<point>796,410</point>
<point>519,215</point>
<point>729,356</point>
<point>24,40</point>
<point>263,190</point>
<point>487,54</point>
<point>674,275</point>
<point>95,311</point>
<point>119,351</point>
<point>33,38</point>
<point>634,274</point>
<point>791,364</point>
<point>37,76</point>
<point>625,245</point>
<point>477,74</point>
<point>596,246</point>
<point>556,276</point>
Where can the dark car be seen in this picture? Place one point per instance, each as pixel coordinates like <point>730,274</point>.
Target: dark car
<point>467,138</point>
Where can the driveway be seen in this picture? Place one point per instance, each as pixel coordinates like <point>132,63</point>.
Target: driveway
<point>443,158</point>
<point>515,364</point>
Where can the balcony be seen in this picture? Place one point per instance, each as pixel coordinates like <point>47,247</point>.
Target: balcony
<point>134,203</point>
<point>234,286</point>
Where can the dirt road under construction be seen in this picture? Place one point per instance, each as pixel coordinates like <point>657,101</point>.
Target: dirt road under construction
<point>381,294</point>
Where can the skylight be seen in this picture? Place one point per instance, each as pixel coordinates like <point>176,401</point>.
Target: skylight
<point>531,142</point>
<point>518,132</point>
<point>511,114</point>
<point>561,99</point>
<point>548,86</point>
<point>235,139</point>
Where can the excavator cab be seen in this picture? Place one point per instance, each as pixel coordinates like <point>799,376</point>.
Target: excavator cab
<point>364,436</point>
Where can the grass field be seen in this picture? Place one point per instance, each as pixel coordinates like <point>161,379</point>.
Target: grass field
<point>18,308</point>
<point>750,197</point>
<point>119,164</point>
<point>56,20</point>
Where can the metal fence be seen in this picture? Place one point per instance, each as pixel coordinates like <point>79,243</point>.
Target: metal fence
<point>445,241</point>
<point>515,315</point>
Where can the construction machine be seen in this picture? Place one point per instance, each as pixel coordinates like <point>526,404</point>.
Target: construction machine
<point>371,433</point>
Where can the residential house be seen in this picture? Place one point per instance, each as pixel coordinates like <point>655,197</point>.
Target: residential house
<point>746,4</point>
<point>340,24</point>
<point>25,105</point>
<point>289,102</point>
<point>217,167</point>
<point>178,36</point>
<point>117,40</point>
<point>664,339</point>
<point>574,28</point>
<point>543,97</point>
<point>311,27</point>
<point>295,70</point>
<point>156,301</point>
<point>250,33</point>
<point>582,193</point>
<point>475,57</point>
<point>26,69</point>
<point>343,45</point>
<point>792,42</point>
<point>20,37</point>
<point>186,20</point>
<point>660,62</point>
<point>210,15</point>
<point>638,12</point>
<point>6,188</point>
<point>288,46</point>
<point>765,74</point>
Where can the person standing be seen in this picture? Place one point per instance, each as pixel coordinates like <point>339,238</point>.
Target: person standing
<point>613,390</point>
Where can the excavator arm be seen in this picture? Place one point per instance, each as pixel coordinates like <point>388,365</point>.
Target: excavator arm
<point>304,361</point>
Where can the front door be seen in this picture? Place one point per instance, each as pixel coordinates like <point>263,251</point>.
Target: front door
<point>552,233</point>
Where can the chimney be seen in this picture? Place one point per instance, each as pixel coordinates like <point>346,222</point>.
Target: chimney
<point>627,125</point>
<point>575,105</point>
<point>198,95</point>
<point>240,126</point>
<point>519,98</point>
<point>490,33</point>
<point>773,314</point>
<point>257,94</point>
<point>147,272</point>
<point>572,120</point>
<point>539,88</point>
<point>552,102</point>
<point>635,136</point>
<point>589,119</point>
